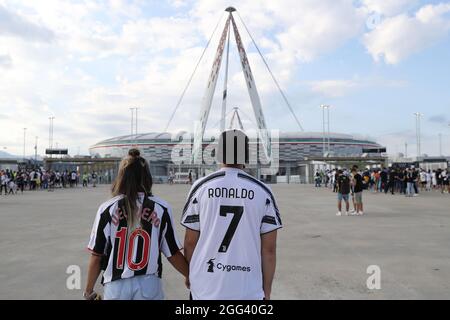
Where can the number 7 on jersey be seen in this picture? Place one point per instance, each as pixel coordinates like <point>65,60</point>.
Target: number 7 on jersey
<point>236,211</point>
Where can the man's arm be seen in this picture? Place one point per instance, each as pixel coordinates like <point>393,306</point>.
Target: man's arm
<point>269,260</point>
<point>190,241</point>
<point>178,261</point>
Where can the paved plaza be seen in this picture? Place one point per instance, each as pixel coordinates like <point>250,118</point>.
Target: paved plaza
<point>320,256</point>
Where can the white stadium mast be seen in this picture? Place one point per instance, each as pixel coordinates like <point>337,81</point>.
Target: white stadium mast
<point>251,87</point>
<point>211,87</point>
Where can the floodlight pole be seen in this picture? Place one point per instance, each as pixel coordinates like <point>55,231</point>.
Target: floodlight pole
<point>418,133</point>
<point>325,124</point>
<point>24,137</point>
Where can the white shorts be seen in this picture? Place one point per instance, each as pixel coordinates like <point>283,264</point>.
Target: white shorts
<point>146,287</point>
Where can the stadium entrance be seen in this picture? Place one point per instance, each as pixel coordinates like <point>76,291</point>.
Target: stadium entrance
<point>106,168</point>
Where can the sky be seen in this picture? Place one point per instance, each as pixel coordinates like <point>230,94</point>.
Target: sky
<point>87,62</point>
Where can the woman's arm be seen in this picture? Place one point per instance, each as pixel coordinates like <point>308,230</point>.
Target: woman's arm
<point>93,273</point>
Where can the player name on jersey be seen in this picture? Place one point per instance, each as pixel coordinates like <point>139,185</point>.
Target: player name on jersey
<point>231,193</point>
<point>144,214</point>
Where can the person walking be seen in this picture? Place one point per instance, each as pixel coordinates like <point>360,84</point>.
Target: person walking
<point>410,179</point>
<point>130,232</point>
<point>445,181</point>
<point>231,220</point>
<point>94,179</point>
<point>358,191</point>
<point>343,187</point>
<point>85,179</point>
<point>3,182</point>
<point>434,180</point>
<point>20,181</point>
<point>391,182</point>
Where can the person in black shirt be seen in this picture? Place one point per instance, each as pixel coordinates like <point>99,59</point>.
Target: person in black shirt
<point>384,179</point>
<point>20,181</point>
<point>343,184</point>
<point>336,177</point>
<point>409,183</point>
<point>391,182</point>
<point>358,190</point>
<point>401,182</point>
<point>415,175</point>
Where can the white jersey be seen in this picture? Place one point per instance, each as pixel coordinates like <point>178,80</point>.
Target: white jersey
<point>231,209</point>
<point>128,253</point>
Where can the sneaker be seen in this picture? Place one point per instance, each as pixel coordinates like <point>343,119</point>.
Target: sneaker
<point>338,214</point>
<point>347,213</point>
<point>352,211</point>
<point>360,213</point>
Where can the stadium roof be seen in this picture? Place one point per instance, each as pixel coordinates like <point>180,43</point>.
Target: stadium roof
<point>168,136</point>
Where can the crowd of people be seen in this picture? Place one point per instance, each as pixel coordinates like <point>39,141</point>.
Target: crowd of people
<point>405,181</point>
<point>13,182</point>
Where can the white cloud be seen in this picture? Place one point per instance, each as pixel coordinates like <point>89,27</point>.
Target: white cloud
<point>314,28</point>
<point>304,29</point>
<point>5,61</point>
<point>334,88</point>
<point>389,7</point>
<point>92,60</point>
<point>178,3</point>
<point>399,36</point>
<point>13,24</point>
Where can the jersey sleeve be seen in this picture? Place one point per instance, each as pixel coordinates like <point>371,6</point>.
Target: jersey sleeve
<point>271,220</point>
<point>100,232</point>
<point>169,243</point>
<point>191,212</point>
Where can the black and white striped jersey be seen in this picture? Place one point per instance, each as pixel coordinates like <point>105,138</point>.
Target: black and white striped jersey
<point>231,209</point>
<point>137,251</point>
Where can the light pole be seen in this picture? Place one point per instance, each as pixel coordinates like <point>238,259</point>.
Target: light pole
<point>440,144</point>
<point>328,133</point>
<point>50,132</point>
<point>24,137</point>
<point>132,121</point>
<point>136,128</point>
<point>134,124</point>
<point>35,150</point>
<point>325,123</point>
<point>418,134</point>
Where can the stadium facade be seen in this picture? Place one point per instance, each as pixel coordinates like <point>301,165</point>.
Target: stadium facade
<point>294,149</point>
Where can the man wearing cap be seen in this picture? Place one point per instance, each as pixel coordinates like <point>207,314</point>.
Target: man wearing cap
<point>231,221</point>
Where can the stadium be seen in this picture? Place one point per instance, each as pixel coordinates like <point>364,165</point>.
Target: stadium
<point>295,150</point>
<point>296,154</point>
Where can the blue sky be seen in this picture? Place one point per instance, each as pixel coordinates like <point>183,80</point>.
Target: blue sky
<point>87,62</point>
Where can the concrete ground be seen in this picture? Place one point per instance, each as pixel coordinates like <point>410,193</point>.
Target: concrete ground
<point>320,256</point>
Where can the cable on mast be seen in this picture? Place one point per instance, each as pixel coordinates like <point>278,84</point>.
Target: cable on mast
<point>192,75</point>
<point>270,71</point>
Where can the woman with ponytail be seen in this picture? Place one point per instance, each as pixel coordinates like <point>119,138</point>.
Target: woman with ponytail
<point>130,232</point>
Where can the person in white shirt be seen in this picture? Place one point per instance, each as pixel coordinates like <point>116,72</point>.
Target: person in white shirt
<point>429,180</point>
<point>423,179</point>
<point>445,177</point>
<point>231,221</point>
<point>434,180</point>
<point>3,182</point>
